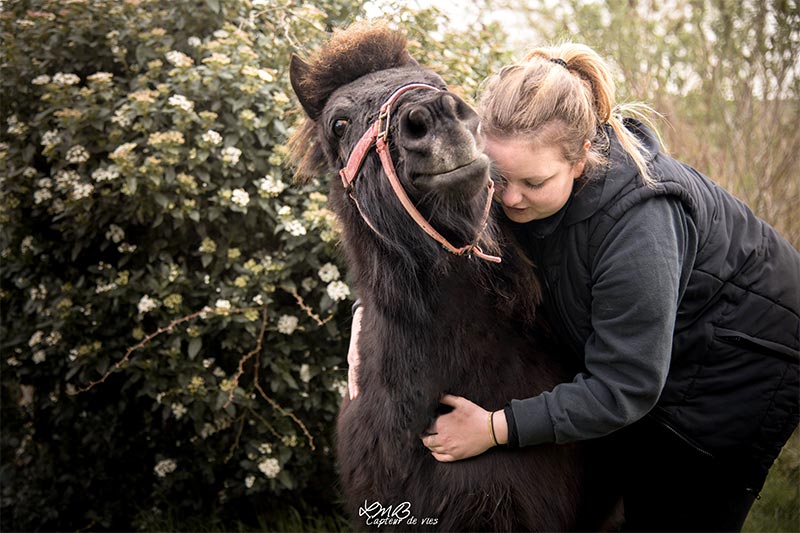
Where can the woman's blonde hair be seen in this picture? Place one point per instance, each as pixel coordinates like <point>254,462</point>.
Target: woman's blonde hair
<point>561,95</point>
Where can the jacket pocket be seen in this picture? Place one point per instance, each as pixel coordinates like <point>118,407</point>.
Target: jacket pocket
<point>660,420</point>
<point>758,345</point>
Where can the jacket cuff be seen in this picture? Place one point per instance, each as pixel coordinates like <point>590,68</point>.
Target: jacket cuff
<point>513,436</point>
<point>533,422</point>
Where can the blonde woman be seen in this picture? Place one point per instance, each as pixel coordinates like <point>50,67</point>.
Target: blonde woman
<point>683,306</point>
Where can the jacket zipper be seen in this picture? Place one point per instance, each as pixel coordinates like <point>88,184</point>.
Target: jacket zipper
<point>683,438</point>
<point>739,340</point>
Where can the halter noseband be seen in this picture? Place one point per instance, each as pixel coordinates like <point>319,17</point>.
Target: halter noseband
<point>375,136</point>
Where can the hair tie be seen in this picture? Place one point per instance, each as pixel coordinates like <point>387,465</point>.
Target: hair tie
<point>559,61</point>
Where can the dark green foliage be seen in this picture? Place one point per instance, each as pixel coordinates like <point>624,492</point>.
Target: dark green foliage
<point>151,238</point>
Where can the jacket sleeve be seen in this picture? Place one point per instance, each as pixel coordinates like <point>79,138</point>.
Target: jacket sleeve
<point>638,276</point>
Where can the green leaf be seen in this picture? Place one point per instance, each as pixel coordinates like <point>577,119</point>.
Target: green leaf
<point>286,478</point>
<point>194,347</point>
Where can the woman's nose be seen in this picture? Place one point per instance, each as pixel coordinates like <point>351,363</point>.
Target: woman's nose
<point>510,196</point>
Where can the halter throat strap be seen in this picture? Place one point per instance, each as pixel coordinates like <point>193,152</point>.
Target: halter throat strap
<point>377,136</point>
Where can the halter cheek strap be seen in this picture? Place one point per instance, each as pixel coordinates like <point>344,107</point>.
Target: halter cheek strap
<point>378,137</point>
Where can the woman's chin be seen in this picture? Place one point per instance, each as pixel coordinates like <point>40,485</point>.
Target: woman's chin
<point>520,216</point>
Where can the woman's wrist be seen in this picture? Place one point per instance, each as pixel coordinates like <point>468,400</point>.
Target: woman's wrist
<point>500,426</point>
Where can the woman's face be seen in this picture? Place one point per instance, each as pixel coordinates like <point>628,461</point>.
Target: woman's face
<point>536,180</point>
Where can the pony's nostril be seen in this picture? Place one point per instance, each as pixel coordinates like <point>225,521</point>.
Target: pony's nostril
<point>415,123</point>
<point>450,105</point>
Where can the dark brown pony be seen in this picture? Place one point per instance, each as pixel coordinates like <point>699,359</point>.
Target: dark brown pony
<point>434,322</point>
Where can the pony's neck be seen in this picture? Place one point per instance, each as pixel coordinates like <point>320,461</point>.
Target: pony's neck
<point>414,311</point>
<point>414,290</point>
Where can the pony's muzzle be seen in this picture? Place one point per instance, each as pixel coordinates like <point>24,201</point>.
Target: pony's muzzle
<point>440,118</point>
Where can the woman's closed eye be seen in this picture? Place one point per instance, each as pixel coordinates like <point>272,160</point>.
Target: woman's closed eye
<point>534,185</point>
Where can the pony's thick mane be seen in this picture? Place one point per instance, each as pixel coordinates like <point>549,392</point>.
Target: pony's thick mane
<point>361,49</point>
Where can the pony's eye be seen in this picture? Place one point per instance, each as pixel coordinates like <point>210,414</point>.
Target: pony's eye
<point>340,126</point>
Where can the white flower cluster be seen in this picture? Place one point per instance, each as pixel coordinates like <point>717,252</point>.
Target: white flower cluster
<point>121,117</point>
<point>280,98</point>
<point>146,304</point>
<point>217,59</point>
<point>212,137</point>
<point>115,233</point>
<point>65,79</point>
<point>105,287</point>
<point>260,73</point>
<point>42,79</point>
<point>100,77</point>
<point>54,338</point>
<point>165,466</point>
<point>51,138</point>
<point>39,293</point>
<point>265,448</point>
<point>230,155</point>
<point>15,127</point>
<point>329,272</point>
<point>179,59</point>
<point>66,180</point>
<point>36,338</point>
<point>305,373</point>
<point>194,42</point>
<point>81,190</point>
<point>341,387</point>
<point>268,186</point>
<point>249,481</point>
<point>43,194</point>
<point>181,102</point>
<point>270,467</point>
<point>338,290</point>
<point>225,305</point>
<point>295,227</point>
<point>26,245</point>
<point>178,410</point>
<point>122,151</point>
<point>240,197</point>
<point>109,173</point>
<point>77,154</point>
<point>287,324</point>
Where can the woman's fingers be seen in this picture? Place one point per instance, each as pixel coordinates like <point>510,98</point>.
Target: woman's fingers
<point>353,357</point>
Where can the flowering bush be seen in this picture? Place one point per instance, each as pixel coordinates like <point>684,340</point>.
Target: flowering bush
<point>173,310</point>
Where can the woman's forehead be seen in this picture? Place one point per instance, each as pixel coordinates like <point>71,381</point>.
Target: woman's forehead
<point>518,155</point>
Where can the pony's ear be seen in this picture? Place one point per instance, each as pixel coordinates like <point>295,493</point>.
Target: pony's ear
<point>300,76</point>
<point>410,61</point>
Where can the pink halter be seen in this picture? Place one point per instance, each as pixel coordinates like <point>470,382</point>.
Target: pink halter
<point>377,137</point>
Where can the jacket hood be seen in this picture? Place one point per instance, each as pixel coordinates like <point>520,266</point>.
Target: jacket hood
<point>605,183</point>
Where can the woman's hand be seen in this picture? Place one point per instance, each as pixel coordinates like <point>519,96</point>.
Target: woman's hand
<point>352,355</point>
<point>464,432</point>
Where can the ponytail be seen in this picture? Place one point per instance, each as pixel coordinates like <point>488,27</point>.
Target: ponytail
<point>570,85</point>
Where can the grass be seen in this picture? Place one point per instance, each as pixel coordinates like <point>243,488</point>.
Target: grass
<point>778,510</point>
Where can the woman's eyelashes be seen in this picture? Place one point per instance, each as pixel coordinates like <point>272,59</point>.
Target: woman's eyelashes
<point>534,185</point>
<point>501,182</point>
